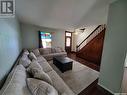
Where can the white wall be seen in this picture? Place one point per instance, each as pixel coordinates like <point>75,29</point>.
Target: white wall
<point>10,45</point>
<point>115,47</point>
<point>30,36</point>
<point>58,38</point>
<point>95,16</point>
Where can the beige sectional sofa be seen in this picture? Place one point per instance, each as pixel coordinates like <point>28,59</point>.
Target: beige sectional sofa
<point>49,53</point>
<point>16,83</point>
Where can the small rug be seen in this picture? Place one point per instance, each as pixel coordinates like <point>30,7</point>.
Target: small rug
<point>79,78</point>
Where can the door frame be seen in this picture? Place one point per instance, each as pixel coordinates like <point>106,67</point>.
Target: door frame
<point>70,38</point>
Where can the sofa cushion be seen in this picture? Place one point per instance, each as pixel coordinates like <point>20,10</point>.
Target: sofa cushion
<point>41,58</point>
<point>25,51</point>
<point>45,65</point>
<point>43,76</point>
<point>49,57</point>
<point>63,50</point>
<point>38,87</point>
<point>59,84</point>
<point>32,56</point>
<point>16,82</point>
<point>44,51</point>
<point>25,61</point>
<point>53,50</point>
<point>34,67</point>
<point>58,50</point>
<point>60,54</point>
<point>36,52</point>
<point>37,72</point>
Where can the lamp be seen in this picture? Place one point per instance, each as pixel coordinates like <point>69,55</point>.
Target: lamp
<point>82,30</point>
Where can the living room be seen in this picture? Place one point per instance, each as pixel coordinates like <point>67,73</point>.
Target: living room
<point>39,25</point>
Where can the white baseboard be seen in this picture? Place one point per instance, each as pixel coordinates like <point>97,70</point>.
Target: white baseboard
<point>106,88</point>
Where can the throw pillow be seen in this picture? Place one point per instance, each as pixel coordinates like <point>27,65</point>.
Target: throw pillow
<point>38,87</point>
<point>58,50</point>
<point>36,52</point>
<point>43,76</point>
<point>53,50</point>
<point>37,72</point>
<point>25,61</point>
<point>45,51</point>
<point>32,56</point>
<point>25,50</point>
<point>25,53</point>
<point>63,50</point>
<point>64,93</point>
<point>34,67</point>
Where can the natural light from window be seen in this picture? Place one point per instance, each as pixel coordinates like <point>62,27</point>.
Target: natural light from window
<point>46,39</point>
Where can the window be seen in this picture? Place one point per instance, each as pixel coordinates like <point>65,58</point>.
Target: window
<point>68,34</point>
<point>45,39</point>
<point>68,41</point>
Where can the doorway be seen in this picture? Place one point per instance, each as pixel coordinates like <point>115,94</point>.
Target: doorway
<point>68,41</point>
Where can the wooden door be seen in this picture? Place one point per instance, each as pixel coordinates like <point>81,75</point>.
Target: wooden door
<point>68,41</point>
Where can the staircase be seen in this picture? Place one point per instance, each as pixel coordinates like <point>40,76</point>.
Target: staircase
<point>91,47</point>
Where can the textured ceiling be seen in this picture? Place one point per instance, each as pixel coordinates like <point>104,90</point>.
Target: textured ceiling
<point>61,14</point>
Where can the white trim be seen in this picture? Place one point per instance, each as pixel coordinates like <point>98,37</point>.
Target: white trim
<point>106,88</point>
<point>125,63</point>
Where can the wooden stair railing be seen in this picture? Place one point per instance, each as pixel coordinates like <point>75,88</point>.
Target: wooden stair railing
<point>90,37</point>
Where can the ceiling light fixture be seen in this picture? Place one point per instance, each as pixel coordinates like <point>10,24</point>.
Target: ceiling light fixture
<point>79,31</point>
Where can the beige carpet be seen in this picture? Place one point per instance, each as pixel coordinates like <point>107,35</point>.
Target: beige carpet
<point>79,77</point>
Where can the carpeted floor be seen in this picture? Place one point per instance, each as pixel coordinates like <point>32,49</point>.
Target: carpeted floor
<point>79,77</point>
